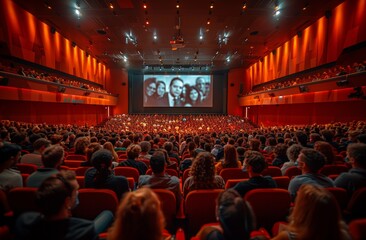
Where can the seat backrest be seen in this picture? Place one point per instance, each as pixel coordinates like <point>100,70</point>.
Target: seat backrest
<point>333,169</point>
<point>80,171</point>
<point>272,171</point>
<point>341,195</point>
<point>232,182</point>
<point>22,199</point>
<point>185,175</point>
<point>131,183</point>
<point>171,172</point>
<point>94,201</point>
<point>168,205</point>
<point>292,172</point>
<point>76,157</point>
<point>233,173</point>
<point>200,208</point>
<point>357,229</point>
<point>269,205</point>
<point>282,181</point>
<point>72,163</point>
<point>81,181</point>
<point>27,167</point>
<point>356,206</point>
<point>127,172</point>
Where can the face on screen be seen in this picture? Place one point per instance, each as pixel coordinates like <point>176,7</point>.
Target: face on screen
<point>176,88</point>
<point>200,84</point>
<point>161,90</point>
<point>150,89</point>
<point>193,95</point>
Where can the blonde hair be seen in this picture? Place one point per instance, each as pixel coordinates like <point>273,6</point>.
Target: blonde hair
<point>138,217</point>
<point>316,214</point>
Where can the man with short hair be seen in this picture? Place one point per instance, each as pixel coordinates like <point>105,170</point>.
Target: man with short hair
<point>175,91</point>
<point>310,161</point>
<point>36,157</point>
<point>52,158</point>
<point>355,178</point>
<point>159,179</point>
<point>254,164</point>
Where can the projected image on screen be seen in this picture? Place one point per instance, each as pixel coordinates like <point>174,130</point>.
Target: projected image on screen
<point>177,91</point>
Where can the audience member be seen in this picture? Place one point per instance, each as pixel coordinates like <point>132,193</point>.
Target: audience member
<point>292,153</point>
<point>235,216</point>
<point>280,155</point>
<point>102,176</point>
<point>327,150</point>
<point>133,151</point>
<point>316,215</point>
<point>139,217</point>
<point>310,162</point>
<point>203,174</point>
<point>36,156</point>
<point>9,177</point>
<point>160,179</point>
<point>254,164</point>
<point>52,158</point>
<point>356,177</point>
<point>55,198</point>
<point>230,159</point>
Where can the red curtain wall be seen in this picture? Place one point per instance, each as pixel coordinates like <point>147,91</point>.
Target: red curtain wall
<point>30,39</point>
<point>320,43</point>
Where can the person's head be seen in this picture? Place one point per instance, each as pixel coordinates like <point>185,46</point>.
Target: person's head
<point>315,206</point>
<point>230,156</point>
<point>145,146</point>
<point>150,86</point>
<point>280,150</point>
<point>356,153</point>
<point>200,84</point>
<point>326,149</point>
<point>254,144</point>
<point>203,168</point>
<point>133,151</point>
<point>81,144</point>
<point>193,94</point>
<point>9,155</point>
<point>176,87</point>
<point>160,89</point>
<point>92,148</point>
<point>301,138</point>
<point>293,152</point>
<point>240,151</point>
<point>138,217</point>
<point>57,194</point>
<point>41,144</point>
<point>310,160</point>
<point>254,162</point>
<point>52,156</point>
<point>327,135</point>
<point>102,159</point>
<point>234,215</point>
<point>168,146</point>
<point>157,162</point>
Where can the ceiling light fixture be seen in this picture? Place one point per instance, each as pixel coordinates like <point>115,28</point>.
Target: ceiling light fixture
<point>177,5</point>
<point>212,5</point>
<point>111,5</point>
<point>208,21</point>
<point>144,5</point>
<point>244,6</point>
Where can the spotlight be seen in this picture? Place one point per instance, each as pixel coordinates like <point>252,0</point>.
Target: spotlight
<point>342,83</point>
<point>303,89</point>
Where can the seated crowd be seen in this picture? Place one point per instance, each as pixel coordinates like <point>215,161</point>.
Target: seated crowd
<point>174,154</point>
<point>25,71</point>
<point>318,75</point>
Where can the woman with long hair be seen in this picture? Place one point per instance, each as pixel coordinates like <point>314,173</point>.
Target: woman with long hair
<point>230,159</point>
<point>138,217</point>
<point>193,97</point>
<point>203,174</point>
<point>316,216</point>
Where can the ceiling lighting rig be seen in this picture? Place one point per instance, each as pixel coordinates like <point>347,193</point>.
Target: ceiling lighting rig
<point>177,41</point>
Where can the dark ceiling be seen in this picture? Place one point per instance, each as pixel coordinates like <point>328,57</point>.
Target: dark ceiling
<point>241,36</point>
